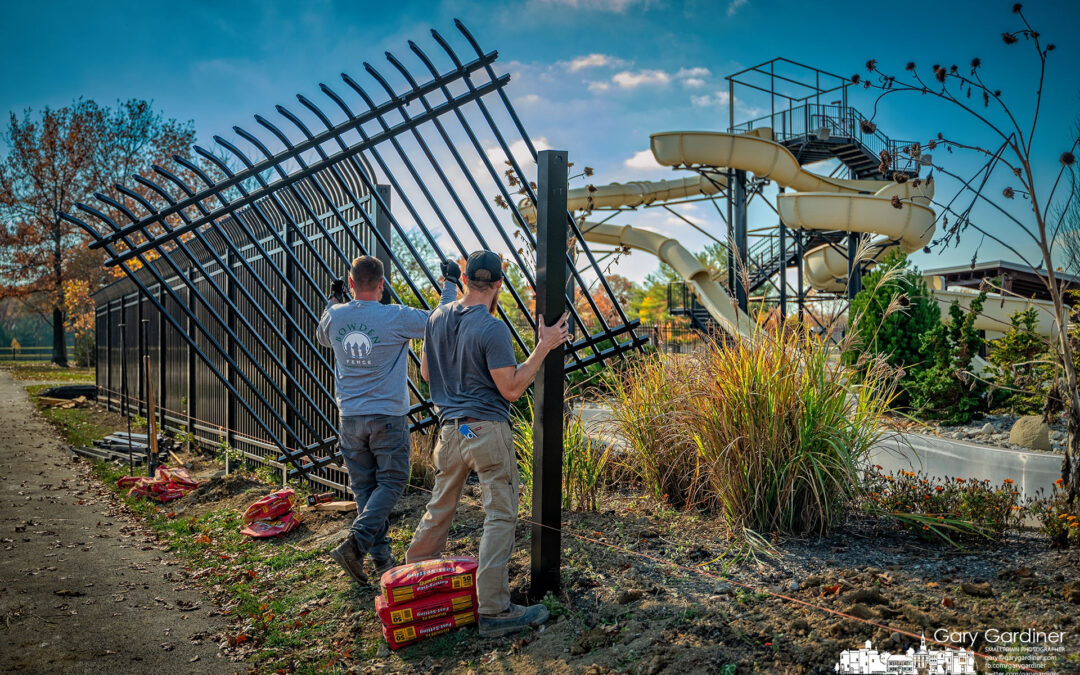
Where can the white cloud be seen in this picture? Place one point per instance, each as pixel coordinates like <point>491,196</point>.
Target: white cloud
<point>629,80</point>
<point>599,86</point>
<point>720,98</point>
<point>642,161</point>
<point>693,82</point>
<point>693,72</point>
<point>594,61</point>
<point>519,150</point>
<point>528,99</point>
<point>735,6</point>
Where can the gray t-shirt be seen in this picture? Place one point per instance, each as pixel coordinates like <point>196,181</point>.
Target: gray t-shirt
<point>462,345</point>
<point>371,343</point>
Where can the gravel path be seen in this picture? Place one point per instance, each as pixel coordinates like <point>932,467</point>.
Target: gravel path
<point>83,587</point>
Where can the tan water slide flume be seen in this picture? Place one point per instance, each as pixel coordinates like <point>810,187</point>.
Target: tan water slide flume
<point>817,203</point>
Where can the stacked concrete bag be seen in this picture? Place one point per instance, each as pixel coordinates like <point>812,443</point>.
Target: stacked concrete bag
<point>426,598</point>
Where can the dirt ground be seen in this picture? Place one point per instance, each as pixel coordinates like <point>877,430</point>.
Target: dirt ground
<point>646,590</point>
<point>83,587</point>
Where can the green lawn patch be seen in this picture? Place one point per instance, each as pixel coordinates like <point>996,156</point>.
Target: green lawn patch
<point>78,426</point>
<point>45,371</point>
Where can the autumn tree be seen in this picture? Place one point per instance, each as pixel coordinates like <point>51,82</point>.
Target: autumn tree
<point>1011,199</point>
<point>55,160</point>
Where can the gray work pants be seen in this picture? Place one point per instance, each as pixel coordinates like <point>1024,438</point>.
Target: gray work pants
<point>376,453</point>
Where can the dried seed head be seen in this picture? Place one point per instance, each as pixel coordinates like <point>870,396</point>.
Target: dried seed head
<point>1008,193</point>
<point>867,126</point>
<point>975,63</point>
<point>896,204</point>
<point>997,93</point>
<point>940,75</point>
<point>910,65</point>
<point>900,177</point>
<point>855,79</point>
<point>1008,38</point>
<point>952,68</point>
<point>871,65</point>
<point>1067,158</point>
<point>1017,7</point>
<point>588,171</point>
<point>1051,47</point>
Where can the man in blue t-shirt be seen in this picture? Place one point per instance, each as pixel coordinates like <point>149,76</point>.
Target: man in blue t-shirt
<point>371,345</point>
<point>474,375</point>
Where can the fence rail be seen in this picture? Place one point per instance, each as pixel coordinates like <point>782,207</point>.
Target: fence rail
<point>34,353</point>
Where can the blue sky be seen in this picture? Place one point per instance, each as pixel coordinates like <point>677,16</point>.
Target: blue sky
<point>595,77</point>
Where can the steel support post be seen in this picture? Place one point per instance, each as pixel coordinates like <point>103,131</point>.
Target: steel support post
<point>382,227</point>
<point>230,406</point>
<point>783,268</point>
<point>291,365</point>
<point>189,355</point>
<point>854,268</point>
<point>551,235</point>
<point>109,355</point>
<point>740,224</point>
<point>162,388</point>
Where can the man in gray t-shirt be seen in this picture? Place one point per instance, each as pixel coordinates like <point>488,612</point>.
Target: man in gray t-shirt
<point>371,343</point>
<point>469,361</point>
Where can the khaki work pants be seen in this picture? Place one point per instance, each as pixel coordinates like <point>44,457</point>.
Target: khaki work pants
<point>491,455</point>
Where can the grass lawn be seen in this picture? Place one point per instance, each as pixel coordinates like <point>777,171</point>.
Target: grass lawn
<point>78,426</point>
<point>46,371</point>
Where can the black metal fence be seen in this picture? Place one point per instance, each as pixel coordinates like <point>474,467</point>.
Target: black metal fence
<point>227,258</point>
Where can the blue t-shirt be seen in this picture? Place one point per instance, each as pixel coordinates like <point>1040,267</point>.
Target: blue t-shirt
<point>462,345</point>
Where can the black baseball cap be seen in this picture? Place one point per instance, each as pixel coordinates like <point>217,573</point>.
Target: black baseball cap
<point>483,266</point>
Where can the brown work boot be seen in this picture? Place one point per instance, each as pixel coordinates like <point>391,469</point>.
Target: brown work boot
<point>514,619</point>
<point>350,560</point>
<point>381,566</point>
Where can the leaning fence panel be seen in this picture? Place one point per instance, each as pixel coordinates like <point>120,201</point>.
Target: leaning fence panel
<point>226,254</point>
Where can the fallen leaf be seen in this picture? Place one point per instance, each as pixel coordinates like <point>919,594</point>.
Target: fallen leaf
<point>948,602</point>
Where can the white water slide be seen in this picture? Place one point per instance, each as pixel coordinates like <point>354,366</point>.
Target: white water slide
<point>896,213</point>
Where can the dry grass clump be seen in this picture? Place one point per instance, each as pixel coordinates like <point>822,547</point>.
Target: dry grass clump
<point>769,432</point>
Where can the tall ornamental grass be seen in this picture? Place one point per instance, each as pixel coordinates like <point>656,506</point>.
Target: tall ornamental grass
<point>770,432</point>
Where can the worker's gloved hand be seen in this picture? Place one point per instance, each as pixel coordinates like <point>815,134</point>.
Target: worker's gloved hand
<point>451,271</point>
<point>337,291</point>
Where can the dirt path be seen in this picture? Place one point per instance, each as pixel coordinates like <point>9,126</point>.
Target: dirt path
<point>84,588</point>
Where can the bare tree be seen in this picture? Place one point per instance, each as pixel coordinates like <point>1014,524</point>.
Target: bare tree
<point>1009,155</point>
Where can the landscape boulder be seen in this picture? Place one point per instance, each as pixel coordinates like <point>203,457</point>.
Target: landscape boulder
<point>1030,431</point>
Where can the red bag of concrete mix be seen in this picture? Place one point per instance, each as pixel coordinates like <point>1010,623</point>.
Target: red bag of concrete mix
<point>428,577</point>
<point>400,636</point>
<point>271,515</point>
<point>425,609</point>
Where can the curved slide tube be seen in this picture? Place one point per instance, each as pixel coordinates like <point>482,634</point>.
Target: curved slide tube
<point>712,296</point>
<point>820,203</point>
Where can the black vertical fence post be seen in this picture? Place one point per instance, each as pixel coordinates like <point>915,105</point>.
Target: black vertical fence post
<point>189,362</point>
<point>382,226</point>
<point>551,235</point>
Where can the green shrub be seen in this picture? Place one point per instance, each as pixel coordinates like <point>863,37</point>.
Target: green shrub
<point>1021,367</point>
<point>769,432</point>
<point>584,461</point>
<point>890,316</point>
<point>960,511</point>
<point>947,390</point>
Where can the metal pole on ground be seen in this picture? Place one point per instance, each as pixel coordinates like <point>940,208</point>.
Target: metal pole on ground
<point>551,233</point>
